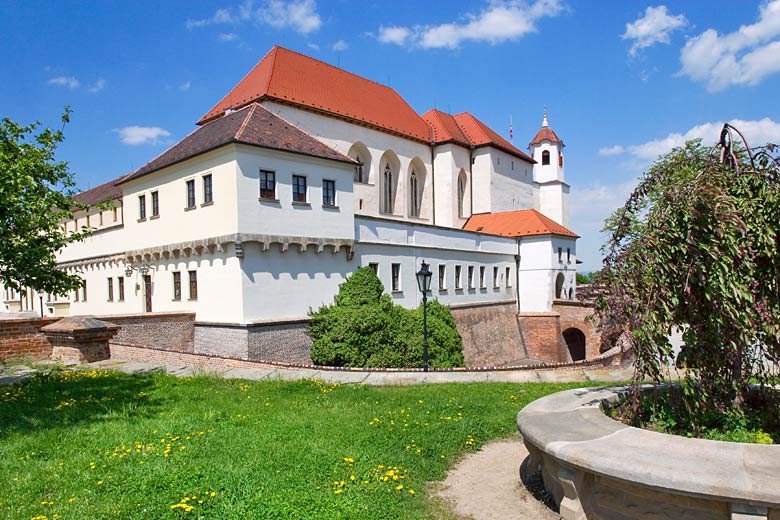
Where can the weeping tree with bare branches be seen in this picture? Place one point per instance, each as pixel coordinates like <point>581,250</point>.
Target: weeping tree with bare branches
<point>697,248</point>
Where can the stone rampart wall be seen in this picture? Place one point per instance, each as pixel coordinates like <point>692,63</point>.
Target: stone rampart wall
<point>163,330</point>
<point>490,334</point>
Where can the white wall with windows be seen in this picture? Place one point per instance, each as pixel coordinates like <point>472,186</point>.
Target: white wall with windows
<point>539,269</point>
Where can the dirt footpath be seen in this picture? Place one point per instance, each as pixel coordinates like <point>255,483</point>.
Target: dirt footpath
<point>486,486</point>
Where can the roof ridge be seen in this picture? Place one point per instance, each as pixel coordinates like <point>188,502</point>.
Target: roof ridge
<point>249,115</point>
<point>275,50</point>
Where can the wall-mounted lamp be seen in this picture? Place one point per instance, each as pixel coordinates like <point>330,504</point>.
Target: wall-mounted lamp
<point>143,269</point>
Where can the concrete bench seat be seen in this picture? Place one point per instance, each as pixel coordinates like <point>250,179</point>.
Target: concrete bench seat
<point>598,468</point>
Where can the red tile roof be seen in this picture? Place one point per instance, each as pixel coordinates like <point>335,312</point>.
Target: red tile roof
<point>467,130</point>
<point>252,125</point>
<point>546,134</point>
<point>104,192</point>
<point>526,222</point>
<point>292,78</point>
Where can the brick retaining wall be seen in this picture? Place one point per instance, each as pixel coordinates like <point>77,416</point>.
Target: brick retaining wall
<point>575,314</point>
<point>164,330</point>
<point>22,338</point>
<point>490,334</point>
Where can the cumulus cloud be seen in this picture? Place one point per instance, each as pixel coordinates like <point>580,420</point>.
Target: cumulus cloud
<point>654,27</point>
<point>97,86</point>
<point>340,45</point>
<point>65,81</point>
<point>136,135</point>
<point>228,37</point>
<point>743,57</point>
<point>313,46</point>
<point>299,15</point>
<point>500,21</point>
<point>757,132</point>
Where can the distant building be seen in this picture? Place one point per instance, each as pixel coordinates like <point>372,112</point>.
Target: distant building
<point>301,174</point>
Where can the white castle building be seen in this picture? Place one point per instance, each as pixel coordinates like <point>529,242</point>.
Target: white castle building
<point>299,176</point>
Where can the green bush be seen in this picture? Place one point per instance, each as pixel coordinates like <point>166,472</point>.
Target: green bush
<point>363,328</point>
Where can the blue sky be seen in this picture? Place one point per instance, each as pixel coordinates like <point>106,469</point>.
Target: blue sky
<point>623,81</point>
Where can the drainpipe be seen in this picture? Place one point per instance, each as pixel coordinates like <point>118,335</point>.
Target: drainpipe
<point>433,184</point>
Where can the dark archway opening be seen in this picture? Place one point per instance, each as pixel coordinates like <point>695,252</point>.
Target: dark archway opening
<point>575,342</point>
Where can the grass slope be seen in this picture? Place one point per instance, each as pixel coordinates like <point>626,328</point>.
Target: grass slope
<point>98,444</point>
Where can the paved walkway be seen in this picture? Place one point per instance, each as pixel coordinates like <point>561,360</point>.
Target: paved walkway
<point>561,375</point>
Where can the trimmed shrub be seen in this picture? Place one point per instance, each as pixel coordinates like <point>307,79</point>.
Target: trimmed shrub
<point>363,328</point>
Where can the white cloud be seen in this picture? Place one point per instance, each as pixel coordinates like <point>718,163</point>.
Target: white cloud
<point>299,15</point>
<point>313,46</point>
<point>97,86</point>
<point>500,21</point>
<point>396,35</point>
<point>743,57</point>
<point>757,132</point>
<point>65,81</point>
<point>654,27</point>
<point>135,135</point>
<point>611,150</point>
<point>185,86</point>
<point>340,45</point>
<point>228,37</point>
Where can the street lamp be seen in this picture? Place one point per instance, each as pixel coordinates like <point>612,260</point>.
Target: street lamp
<point>424,284</point>
<point>143,269</point>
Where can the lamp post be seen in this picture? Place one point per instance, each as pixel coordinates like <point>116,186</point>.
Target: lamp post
<point>424,284</point>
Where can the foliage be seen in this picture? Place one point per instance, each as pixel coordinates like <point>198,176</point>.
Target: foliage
<point>365,329</point>
<point>88,445</point>
<point>697,248</point>
<point>35,197</point>
<point>585,278</point>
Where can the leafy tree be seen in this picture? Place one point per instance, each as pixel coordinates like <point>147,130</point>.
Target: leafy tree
<point>697,247</point>
<point>584,278</point>
<point>35,197</point>
<point>365,329</point>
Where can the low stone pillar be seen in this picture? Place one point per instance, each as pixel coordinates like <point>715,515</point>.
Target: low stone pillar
<point>80,339</point>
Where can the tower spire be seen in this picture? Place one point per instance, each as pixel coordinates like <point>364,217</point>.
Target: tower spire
<point>544,119</point>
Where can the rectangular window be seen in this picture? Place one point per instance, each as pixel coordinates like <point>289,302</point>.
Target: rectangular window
<point>508,277</point>
<point>141,207</point>
<point>471,277</point>
<point>208,192</point>
<point>442,277</point>
<point>155,204</point>
<point>120,283</point>
<point>495,277</point>
<point>116,214</point>
<point>193,285</point>
<point>328,193</point>
<point>560,254</point>
<point>110,289</point>
<point>374,267</point>
<point>267,185</point>
<point>458,281</point>
<point>177,285</point>
<point>190,194</point>
<point>76,295</point>
<point>568,255</point>
<point>396,275</point>
<point>482,277</point>
<point>299,188</point>
<point>84,291</point>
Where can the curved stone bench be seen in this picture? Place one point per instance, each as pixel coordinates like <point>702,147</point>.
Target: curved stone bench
<point>597,468</point>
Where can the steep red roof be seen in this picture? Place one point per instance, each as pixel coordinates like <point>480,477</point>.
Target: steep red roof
<point>546,134</point>
<point>467,130</point>
<point>104,192</point>
<point>292,78</point>
<point>522,223</point>
<point>253,125</point>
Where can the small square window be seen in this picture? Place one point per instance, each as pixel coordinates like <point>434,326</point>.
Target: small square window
<point>267,185</point>
<point>190,194</point>
<point>208,192</point>
<point>396,277</point>
<point>328,193</point>
<point>299,188</point>
<point>442,277</point>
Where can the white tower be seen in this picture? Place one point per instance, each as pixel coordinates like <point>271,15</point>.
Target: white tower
<point>547,150</point>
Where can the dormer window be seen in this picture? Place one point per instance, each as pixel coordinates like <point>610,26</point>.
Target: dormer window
<point>545,158</point>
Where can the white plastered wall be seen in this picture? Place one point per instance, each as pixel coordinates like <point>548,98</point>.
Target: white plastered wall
<point>539,267</point>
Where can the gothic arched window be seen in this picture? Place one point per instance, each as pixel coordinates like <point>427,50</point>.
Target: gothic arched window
<point>359,170</point>
<point>387,195</point>
<point>414,196</point>
<point>545,158</point>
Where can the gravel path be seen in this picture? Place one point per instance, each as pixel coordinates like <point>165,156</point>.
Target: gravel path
<point>486,485</point>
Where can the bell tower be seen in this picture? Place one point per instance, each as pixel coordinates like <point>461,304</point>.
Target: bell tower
<point>547,150</point>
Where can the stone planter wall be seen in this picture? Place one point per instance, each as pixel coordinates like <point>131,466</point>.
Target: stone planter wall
<point>600,469</point>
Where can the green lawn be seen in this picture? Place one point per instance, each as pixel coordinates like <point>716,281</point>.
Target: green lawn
<point>101,444</point>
